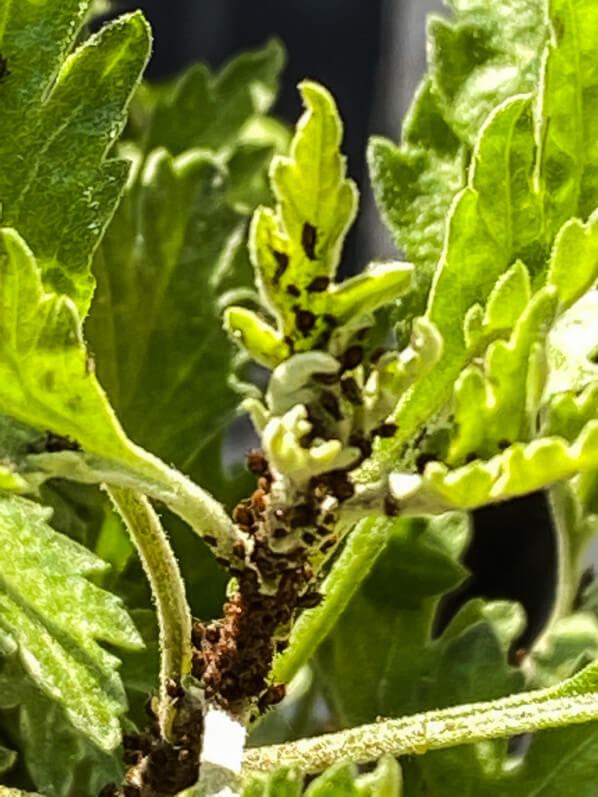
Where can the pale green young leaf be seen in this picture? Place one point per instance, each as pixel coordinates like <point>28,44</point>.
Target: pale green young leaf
<point>494,221</point>
<point>59,116</point>
<point>301,240</point>
<point>55,616</point>
<point>573,267</point>
<point>521,468</point>
<point>296,247</point>
<point>496,402</point>
<point>507,301</point>
<point>46,378</point>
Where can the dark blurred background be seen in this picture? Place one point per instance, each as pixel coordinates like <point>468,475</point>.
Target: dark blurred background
<point>371,54</point>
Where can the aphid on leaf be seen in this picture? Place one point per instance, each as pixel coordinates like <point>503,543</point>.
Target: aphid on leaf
<point>56,442</point>
<point>274,695</point>
<point>257,462</point>
<point>309,237</point>
<point>304,320</point>
<point>318,285</point>
<point>3,68</point>
<point>352,357</point>
<point>282,260</point>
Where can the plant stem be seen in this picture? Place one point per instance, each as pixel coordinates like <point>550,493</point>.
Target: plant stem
<point>162,570</point>
<point>147,474</point>
<point>364,544</point>
<point>433,730</point>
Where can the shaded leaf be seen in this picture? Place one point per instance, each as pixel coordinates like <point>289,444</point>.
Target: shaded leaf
<point>154,325</point>
<point>207,111</point>
<point>59,759</point>
<point>381,658</point>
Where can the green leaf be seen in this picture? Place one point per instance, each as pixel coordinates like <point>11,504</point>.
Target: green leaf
<point>7,759</point>
<point>414,186</point>
<point>573,266</point>
<point>55,616</point>
<point>497,401</point>
<point>489,53</point>
<point>160,270</point>
<point>342,779</point>
<point>59,115</point>
<point>569,156</point>
<point>296,248</point>
<point>26,717</point>
<point>506,303</point>
<point>46,378</point>
<point>494,221</point>
<point>381,659</point>
<point>48,383</point>
<point>207,111</point>
<point>283,783</point>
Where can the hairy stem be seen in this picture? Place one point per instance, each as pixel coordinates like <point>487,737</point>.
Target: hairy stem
<point>147,474</point>
<point>162,570</point>
<point>417,734</point>
<point>365,543</point>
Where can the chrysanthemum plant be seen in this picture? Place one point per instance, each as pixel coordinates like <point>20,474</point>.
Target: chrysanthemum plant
<point>145,274</point>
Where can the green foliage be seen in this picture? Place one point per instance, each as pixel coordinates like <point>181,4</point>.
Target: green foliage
<point>28,715</point>
<point>176,244</point>
<point>54,616</point>
<point>61,112</point>
<point>487,54</point>
<point>47,380</point>
<point>491,393</point>
<point>214,111</point>
<point>296,248</point>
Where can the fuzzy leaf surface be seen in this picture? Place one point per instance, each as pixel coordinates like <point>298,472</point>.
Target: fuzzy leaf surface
<point>394,666</point>
<point>569,157</point>
<point>296,247</point>
<point>46,379</point>
<point>55,616</point>
<point>60,112</point>
<point>45,738</point>
<point>154,327</point>
<point>211,111</point>
<point>493,222</point>
<point>479,58</point>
